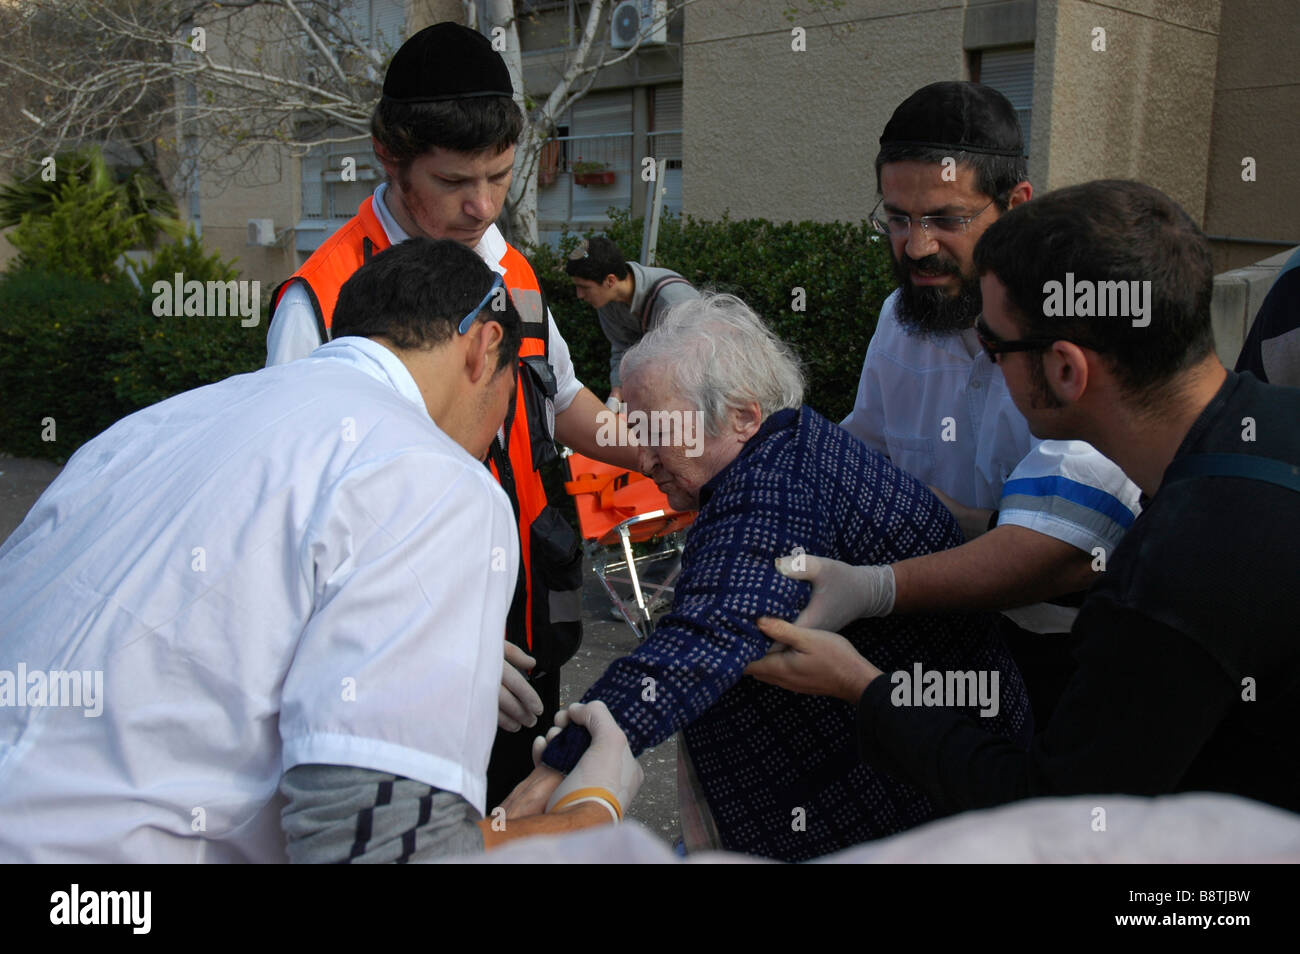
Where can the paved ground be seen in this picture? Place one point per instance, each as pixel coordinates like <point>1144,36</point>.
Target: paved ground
<point>604,640</point>
<point>21,482</point>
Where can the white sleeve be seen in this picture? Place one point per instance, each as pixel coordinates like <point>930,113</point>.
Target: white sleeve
<point>293,332</point>
<point>1071,491</point>
<point>567,384</point>
<point>412,563</point>
<point>866,421</point>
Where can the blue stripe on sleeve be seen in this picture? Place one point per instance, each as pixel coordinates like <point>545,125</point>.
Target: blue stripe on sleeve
<point>1075,492</point>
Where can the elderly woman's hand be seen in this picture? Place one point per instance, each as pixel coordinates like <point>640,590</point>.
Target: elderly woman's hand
<point>841,592</point>
<point>812,661</point>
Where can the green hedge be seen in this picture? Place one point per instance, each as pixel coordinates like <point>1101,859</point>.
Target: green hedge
<point>87,353</point>
<point>56,332</point>
<point>844,271</point>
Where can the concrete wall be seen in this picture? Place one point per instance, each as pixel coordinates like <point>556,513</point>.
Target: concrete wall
<point>1256,114</point>
<point>1180,94</point>
<point>787,135</point>
<point>1140,109</point>
<point>1238,293</point>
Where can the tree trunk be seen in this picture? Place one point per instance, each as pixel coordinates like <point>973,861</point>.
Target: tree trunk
<point>521,203</point>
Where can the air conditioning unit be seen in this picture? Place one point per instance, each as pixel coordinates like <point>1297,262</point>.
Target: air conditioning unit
<point>261,232</point>
<point>646,19</point>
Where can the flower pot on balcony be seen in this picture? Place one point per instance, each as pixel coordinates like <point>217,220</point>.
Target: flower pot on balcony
<point>594,178</point>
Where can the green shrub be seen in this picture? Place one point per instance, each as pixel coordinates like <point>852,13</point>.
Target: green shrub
<point>82,233</point>
<point>187,257</point>
<point>139,188</point>
<point>844,272</point>
<point>87,352</point>
<point>57,332</point>
<point>169,354</point>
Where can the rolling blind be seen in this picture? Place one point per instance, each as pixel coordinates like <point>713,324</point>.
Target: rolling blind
<point>1011,73</point>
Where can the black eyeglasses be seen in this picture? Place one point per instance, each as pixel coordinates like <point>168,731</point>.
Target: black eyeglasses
<point>497,282</point>
<point>994,346</point>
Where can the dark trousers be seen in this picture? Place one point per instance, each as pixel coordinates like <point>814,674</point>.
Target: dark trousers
<point>1046,663</point>
<point>512,752</point>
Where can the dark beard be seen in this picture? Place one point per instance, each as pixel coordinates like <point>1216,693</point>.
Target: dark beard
<point>929,311</point>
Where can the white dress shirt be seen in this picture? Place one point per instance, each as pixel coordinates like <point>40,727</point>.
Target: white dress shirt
<point>287,567</point>
<point>293,333</point>
<point>939,409</point>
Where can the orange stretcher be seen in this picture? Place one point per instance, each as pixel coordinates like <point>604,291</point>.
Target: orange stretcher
<point>617,508</point>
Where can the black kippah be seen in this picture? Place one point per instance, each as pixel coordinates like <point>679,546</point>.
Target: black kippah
<point>446,61</point>
<point>963,117</point>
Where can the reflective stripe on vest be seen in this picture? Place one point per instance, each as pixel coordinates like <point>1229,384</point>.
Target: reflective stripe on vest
<point>324,273</point>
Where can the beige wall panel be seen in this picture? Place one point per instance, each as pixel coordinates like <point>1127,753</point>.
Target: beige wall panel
<point>226,212</point>
<point>1140,110</point>
<point>793,135</point>
<point>1256,114</point>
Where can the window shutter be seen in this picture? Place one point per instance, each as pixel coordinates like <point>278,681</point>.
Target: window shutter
<point>1011,73</point>
<point>313,194</point>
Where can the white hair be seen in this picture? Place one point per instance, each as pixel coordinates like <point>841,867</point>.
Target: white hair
<point>717,354</point>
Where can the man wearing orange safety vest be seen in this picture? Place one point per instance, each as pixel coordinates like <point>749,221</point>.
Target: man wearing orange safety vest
<point>445,131</point>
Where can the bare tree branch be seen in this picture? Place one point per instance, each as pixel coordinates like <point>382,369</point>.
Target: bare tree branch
<point>273,79</point>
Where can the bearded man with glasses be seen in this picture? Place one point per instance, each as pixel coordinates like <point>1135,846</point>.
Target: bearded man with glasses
<point>1040,517</point>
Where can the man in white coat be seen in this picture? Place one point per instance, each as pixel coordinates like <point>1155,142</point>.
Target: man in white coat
<point>262,620</point>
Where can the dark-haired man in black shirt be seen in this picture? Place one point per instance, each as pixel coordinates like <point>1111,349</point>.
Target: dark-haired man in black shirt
<point>1097,309</point>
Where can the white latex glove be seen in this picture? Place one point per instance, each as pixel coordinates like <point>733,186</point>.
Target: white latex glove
<point>841,592</point>
<point>606,768</point>
<point>518,705</point>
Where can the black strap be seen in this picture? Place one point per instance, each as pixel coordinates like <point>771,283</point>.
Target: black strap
<point>367,250</point>
<point>653,295</point>
<point>1245,466</point>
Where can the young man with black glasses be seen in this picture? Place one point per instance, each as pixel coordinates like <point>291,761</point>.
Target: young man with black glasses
<point>1039,516</point>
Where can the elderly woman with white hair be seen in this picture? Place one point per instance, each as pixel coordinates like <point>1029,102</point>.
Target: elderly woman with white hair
<point>776,773</point>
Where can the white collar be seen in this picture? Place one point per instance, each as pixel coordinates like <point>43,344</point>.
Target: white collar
<point>378,362</point>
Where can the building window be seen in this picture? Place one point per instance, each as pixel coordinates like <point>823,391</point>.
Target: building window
<point>1011,73</point>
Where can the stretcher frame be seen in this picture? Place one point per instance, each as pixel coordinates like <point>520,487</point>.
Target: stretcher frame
<point>617,508</point>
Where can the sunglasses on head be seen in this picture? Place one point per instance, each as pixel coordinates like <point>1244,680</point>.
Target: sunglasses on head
<point>497,282</point>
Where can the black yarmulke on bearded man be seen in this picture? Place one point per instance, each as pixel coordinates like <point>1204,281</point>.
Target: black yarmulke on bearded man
<point>964,117</point>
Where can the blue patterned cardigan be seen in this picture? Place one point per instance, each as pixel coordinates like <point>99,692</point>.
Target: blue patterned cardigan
<point>761,752</point>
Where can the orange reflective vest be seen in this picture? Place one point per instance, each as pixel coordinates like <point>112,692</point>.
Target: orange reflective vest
<point>545,617</point>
